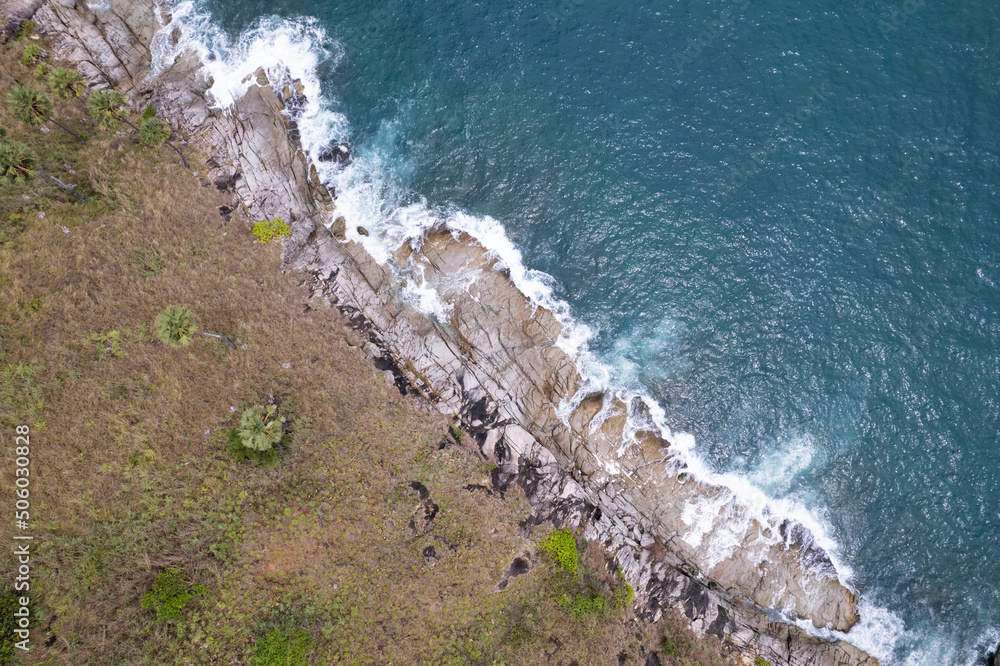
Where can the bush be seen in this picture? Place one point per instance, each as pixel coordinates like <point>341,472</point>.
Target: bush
<point>673,648</point>
<point>281,647</point>
<point>170,594</point>
<point>27,29</point>
<point>760,661</point>
<point>32,52</point>
<point>584,605</point>
<point>66,83</point>
<point>561,544</point>
<point>624,594</point>
<point>107,108</point>
<point>261,428</point>
<point>267,230</point>
<point>175,326</point>
<point>43,69</point>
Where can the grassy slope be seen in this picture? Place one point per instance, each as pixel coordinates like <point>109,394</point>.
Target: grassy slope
<point>129,461</point>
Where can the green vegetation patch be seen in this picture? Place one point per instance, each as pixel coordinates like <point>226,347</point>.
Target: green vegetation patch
<point>269,230</point>
<point>282,647</point>
<point>170,594</point>
<point>561,544</point>
<point>31,53</point>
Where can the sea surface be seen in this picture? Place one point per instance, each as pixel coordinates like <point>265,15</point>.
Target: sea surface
<point>777,219</point>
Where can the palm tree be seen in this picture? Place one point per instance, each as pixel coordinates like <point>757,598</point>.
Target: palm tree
<point>175,326</point>
<point>260,427</point>
<point>33,107</point>
<point>19,164</point>
<point>109,109</point>
<point>66,84</point>
<point>152,132</point>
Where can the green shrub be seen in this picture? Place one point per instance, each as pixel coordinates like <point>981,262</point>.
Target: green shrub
<point>282,647</point>
<point>148,113</point>
<point>561,544</point>
<point>43,69</point>
<point>107,108</point>
<point>261,428</point>
<point>32,52</point>
<point>624,594</point>
<point>673,648</point>
<point>170,594</point>
<point>175,326</point>
<point>760,661</point>
<point>27,29</point>
<point>66,83</point>
<point>583,605</point>
<point>267,230</point>
<point>153,132</point>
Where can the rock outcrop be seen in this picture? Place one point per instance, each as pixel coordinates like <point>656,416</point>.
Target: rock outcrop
<point>585,458</point>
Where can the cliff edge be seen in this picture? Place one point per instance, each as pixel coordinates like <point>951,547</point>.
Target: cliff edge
<point>586,458</point>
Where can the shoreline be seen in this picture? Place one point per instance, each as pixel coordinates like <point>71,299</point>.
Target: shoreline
<point>495,365</point>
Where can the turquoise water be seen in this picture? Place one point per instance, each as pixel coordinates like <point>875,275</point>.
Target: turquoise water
<point>779,219</point>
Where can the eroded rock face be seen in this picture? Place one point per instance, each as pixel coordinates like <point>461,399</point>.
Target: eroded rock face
<point>493,359</point>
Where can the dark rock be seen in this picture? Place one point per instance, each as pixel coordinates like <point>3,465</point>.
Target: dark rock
<point>652,659</point>
<point>362,231</point>
<point>430,555</point>
<point>338,154</point>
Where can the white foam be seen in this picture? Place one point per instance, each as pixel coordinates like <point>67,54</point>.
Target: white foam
<point>373,193</point>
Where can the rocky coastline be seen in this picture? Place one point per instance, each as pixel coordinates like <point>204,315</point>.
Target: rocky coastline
<point>493,361</point>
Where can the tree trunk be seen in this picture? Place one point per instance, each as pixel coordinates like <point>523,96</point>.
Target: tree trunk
<point>66,129</point>
<point>68,188</point>
<point>221,337</point>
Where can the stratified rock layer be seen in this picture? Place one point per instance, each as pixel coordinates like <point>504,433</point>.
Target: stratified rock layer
<point>601,465</point>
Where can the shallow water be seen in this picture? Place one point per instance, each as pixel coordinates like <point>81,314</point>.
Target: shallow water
<point>779,221</point>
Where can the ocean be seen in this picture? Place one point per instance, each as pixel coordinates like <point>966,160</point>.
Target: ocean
<point>777,220</point>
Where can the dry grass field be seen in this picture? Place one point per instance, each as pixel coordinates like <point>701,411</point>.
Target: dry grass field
<point>332,554</point>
